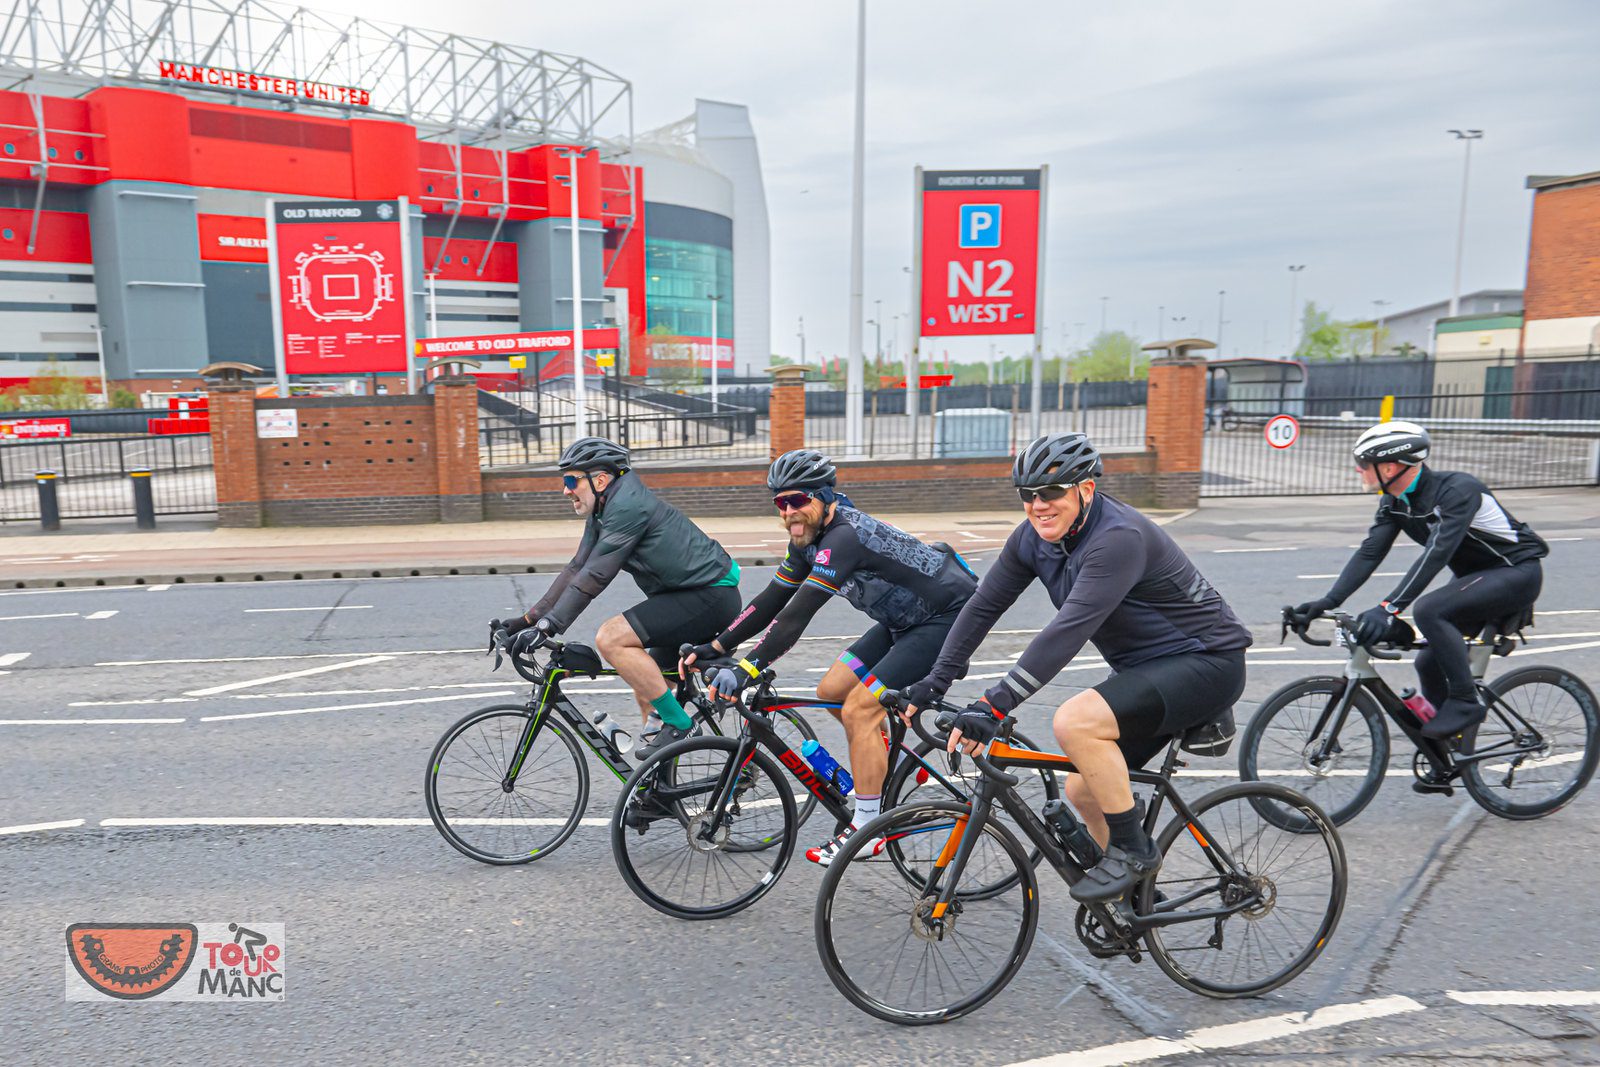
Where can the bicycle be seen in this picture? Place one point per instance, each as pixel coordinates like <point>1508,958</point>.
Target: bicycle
<point>508,784</point>
<point>903,943</point>
<point>1305,731</point>
<point>706,827</point>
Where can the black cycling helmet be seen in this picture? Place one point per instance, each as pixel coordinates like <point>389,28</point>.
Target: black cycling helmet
<point>594,454</point>
<point>1392,442</point>
<point>804,468</point>
<point>1057,459</point>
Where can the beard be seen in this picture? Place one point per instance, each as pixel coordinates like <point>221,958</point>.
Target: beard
<point>808,535</point>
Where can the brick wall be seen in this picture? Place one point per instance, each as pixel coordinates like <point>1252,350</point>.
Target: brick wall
<point>1175,428</point>
<point>787,410</point>
<point>1563,280</point>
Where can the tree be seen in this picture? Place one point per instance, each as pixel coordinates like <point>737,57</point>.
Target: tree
<point>1108,359</point>
<point>52,390</point>
<point>1323,338</point>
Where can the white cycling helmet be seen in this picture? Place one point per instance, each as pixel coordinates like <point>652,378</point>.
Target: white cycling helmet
<point>1392,442</point>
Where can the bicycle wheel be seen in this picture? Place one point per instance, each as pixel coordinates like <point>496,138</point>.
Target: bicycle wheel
<point>1279,747</point>
<point>1543,723</point>
<point>795,731</point>
<point>661,836</point>
<point>913,781</point>
<point>1298,880</point>
<point>476,810</point>
<point>874,927</point>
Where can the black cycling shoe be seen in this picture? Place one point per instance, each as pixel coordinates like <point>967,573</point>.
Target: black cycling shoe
<point>1431,785</point>
<point>1454,715</point>
<point>1115,874</point>
<point>667,735</point>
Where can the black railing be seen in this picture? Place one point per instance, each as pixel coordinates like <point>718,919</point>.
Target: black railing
<point>92,475</point>
<point>723,434</point>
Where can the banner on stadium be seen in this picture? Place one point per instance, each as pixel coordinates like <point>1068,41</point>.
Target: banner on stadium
<point>501,345</point>
<point>338,271</point>
<point>980,261</point>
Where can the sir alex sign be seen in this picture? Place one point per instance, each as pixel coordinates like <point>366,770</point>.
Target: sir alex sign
<point>980,243</point>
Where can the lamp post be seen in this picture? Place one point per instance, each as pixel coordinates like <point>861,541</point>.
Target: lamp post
<point>1222,296</point>
<point>1467,136</point>
<point>100,351</point>
<point>802,340</point>
<point>580,426</point>
<point>1103,300</point>
<point>1377,322</point>
<point>854,374</point>
<point>1294,289</point>
<point>715,298</point>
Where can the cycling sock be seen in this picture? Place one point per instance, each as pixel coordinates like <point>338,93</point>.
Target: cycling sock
<point>671,711</point>
<point>867,808</point>
<point>1127,833</point>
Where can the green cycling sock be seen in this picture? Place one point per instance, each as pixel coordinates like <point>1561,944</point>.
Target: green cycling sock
<point>671,711</point>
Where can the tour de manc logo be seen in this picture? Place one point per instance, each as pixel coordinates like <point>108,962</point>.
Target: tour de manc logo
<point>161,962</point>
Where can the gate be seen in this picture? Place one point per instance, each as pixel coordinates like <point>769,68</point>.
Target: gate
<point>92,475</point>
<point>1511,440</point>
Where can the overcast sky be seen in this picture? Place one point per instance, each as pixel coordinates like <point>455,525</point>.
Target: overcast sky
<point>1194,145</point>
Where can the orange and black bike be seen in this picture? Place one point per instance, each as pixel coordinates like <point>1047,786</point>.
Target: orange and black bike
<point>1238,907</point>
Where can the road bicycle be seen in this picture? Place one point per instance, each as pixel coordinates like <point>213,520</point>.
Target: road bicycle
<point>706,827</point>
<point>1238,907</point>
<point>1537,749</point>
<point>508,784</point>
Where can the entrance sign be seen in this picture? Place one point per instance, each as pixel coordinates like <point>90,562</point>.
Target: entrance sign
<point>981,238</point>
<point>506,344</point>
<point>1282,431</point>
<point>277,422</point>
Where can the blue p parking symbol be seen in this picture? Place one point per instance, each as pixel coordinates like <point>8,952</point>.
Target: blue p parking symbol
<point>980,226</point>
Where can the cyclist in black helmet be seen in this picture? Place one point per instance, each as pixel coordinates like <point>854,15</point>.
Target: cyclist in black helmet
<point>1175,648</point>
<point>691,585</point>
<point>911,590</point>
<point>1493,560</point>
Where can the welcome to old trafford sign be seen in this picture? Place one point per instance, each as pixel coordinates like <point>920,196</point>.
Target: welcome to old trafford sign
<point>295,88</point>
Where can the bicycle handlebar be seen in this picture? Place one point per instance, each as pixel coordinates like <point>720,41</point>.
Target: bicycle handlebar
<point>895,702</point>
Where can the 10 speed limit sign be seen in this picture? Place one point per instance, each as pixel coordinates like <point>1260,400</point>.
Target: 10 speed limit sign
<point>1282,431</point>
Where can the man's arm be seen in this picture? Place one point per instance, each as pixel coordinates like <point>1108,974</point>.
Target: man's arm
<point>1457,507</point>
<point>998,590</point>
<point>767,603</point>
<point>613,546</point>
<point>1374,547</point>
<point>563,580</point>
<point>838,554</point>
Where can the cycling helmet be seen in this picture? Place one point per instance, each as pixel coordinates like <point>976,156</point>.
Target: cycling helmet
<point>594,454</point>
<point>1059,458</point>
<point>1392,442</point>
<point>804,468</point>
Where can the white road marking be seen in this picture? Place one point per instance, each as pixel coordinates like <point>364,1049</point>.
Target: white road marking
<point>351,707</point>
<point>55,615</point>
<point>1563,539</point>
<point>1230,1035</point>
<point>373,692</point>
<point>1379,574</point>
<point>89,722</point>
<point>1549,998</point>
<point>1285,548</point>
<point>158,588</point>
<point>130,703</point>
<point>1546,649</point>
<point>70,589</point>
<point>277,659</point>
<point>100,615</point>
<point>8,658</point>
<point>1570,611</point>
<point>335,607</point>
<point>36,827</point>
<point>320,820</point>
<point>229,687</point>
<point>1548,637</point>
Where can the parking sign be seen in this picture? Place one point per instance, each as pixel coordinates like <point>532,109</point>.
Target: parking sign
<point>980,250</point>
<point>980,226</point>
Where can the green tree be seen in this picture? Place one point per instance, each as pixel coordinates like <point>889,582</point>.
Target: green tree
<point>51,390</point>
<point>1108,359</point>
<point>1323,338</point>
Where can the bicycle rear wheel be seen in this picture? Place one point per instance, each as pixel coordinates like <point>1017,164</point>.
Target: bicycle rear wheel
<point>1542,728</point>
<point>794,730</point>
<point>666,849</point>
<point>494,821</point>
<point>875,931</point>
<point>1279,746</point>
<point>1291,884</point>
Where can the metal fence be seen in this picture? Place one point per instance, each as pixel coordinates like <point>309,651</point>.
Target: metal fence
<point>1511,440</point>
<point>92,475</point>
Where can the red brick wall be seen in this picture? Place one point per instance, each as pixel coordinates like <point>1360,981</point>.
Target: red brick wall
<point>787,410</point>
<point>1175,428</point>
<point>1564,254</point>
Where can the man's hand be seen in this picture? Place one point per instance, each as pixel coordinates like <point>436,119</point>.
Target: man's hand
<point>531,637</point>
<point>708,651</point>
<point>1312,609</point>
<point>975,727</point>
<point>1372,625</point>
<point>920,695</point>
<point>728,682</point>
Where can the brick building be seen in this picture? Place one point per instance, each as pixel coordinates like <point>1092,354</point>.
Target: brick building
<point>1561,304</point>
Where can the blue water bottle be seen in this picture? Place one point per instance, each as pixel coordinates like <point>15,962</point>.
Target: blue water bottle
<point>826,766</point>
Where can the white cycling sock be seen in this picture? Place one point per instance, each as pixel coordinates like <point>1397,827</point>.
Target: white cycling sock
<point>867,808</point>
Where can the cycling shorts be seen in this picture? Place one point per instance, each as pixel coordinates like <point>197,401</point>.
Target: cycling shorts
<point>887,659</point>
<point>683,616</point>
<point>1162,698</point>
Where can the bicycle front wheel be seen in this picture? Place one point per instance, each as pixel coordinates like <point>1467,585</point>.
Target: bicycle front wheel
<point>488,813</point>
<point>879,940</point>
<point>1289,741</point>
<point>1541,737</point>
<point>1283,890</point>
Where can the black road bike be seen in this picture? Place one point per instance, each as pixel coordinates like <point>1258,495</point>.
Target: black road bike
<point>508,784</point>
<point>704,828</point>
<point>1327,736</point>
<point>1238,907</point>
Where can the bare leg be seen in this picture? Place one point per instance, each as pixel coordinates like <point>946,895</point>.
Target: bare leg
<point>836,686</point>
<point>623,650</point>
<point>1094,820</point>
<point>1087,731</point>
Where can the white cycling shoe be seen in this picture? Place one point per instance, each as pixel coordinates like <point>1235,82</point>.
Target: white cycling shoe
<point>824,854</point>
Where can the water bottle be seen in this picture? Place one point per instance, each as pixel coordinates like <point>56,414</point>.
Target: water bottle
<point>826,766</point>
<point>1072,833</point>
<point>614,734</point>
<point>1418,704</point>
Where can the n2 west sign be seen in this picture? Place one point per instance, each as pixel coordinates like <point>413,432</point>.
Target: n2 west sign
<point>980,235</point>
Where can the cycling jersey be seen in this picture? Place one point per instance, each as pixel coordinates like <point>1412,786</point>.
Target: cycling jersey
<point>896,579</point>
<point>1120,582</point>
<point>632,530</point>
<point>1459,524</point>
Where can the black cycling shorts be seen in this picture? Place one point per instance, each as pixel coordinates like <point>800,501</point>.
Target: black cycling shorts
<point>893,659</point>
<point>1159,700</point>
<point>683,616</point>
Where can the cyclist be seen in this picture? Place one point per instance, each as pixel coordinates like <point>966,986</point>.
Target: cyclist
<point>911,590</point>
<point>1175,648</point>
<point>1459,524</point>
<point>691,585</point>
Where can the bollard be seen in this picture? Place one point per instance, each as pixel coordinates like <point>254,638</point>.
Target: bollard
<point>144,503</point>
<point>49,510</point>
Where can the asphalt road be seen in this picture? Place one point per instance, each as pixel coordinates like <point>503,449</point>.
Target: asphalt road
<point>400,949</point>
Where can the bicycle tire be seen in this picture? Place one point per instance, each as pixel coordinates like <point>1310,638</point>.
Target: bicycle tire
<point>667,764</point>
<point>459,829</point>
<point>912,819</point>
<point>1321,784</point>
<point>1472,774</point>
<point>1324,835</point>
<point>803,729</point>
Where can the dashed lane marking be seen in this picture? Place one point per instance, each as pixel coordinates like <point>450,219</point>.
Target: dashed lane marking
<point>39,827</point>
<point>335,607</point>
<point>158,588</point>
<point>1379,574</point>
<point>90,722</point>
<point>1283,548</point>
<point>1548,998</point>
<point>318,820</point>
<point>277,659</point>
<point>98,615</point>
<point>53,615</point>
<point>8,658</point>
<point>352,707</point>
<point>229,687</point>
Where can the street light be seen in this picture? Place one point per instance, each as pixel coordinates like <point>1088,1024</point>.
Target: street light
<point>715,299</point>
<point>802,340</point>
<point>1294,287</point>
<point>854,374</point>
<point>1461,227</point>
<point>1103,300</point>
<point>1222,296</point>
<point>580,427</point>
<point>1377,322</point>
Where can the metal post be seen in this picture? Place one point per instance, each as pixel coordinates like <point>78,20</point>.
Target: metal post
<point>144,503</point>
<point>580,426</point>
<point>275,294</point>
<point>1294,289</point>
<point>1222,297</point>
<point>715,299</point>
<point>1461,227</point>
<point>854,372</point>
<point>100,353</point>
<point>49,511</point>
<point>1036,402</point>
<point>914,357</point>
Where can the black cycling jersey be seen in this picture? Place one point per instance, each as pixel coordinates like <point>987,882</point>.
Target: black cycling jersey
<point>632,530</point>
<point>1458,522</point>
<point>896,579</point>
<point>1120,582</point>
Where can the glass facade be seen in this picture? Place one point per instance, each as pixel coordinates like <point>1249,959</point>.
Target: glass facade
<point>679,277</point>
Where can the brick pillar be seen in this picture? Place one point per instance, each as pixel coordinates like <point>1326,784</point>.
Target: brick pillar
<point>1174,426</point>
<point>787,409</point>
<point>455,438</point>
<point>233,454</point>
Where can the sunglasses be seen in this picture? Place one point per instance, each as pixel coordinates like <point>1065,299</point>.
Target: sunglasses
<point>791,501</point>
<point>1048,493</point>
<point>570,481</point>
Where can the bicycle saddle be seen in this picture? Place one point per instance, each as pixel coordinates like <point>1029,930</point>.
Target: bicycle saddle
<point>1502,633</point>
<point>1212,738</point>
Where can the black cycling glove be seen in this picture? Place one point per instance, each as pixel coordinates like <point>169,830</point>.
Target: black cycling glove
<point>512,626</point>
<point>1372,625</point>
<point>978,722</point>
<point>924,694</point>
<point>531,637</point>
<point>1313,609</point>
<point>705,653</point>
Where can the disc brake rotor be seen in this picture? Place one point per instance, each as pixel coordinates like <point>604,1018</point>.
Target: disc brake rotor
<point>696,834</point>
